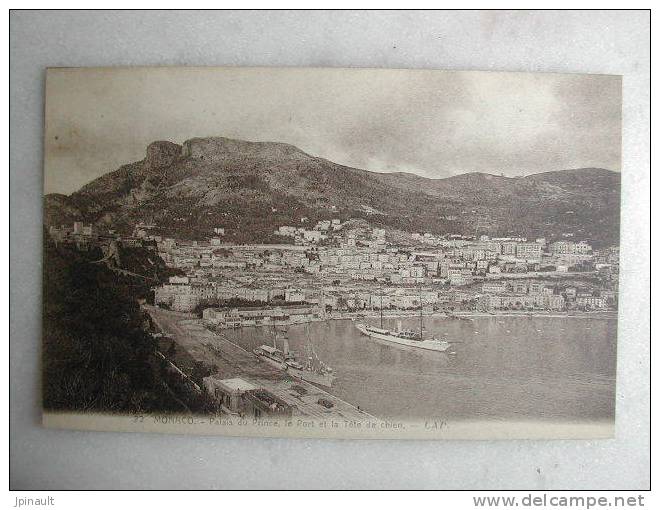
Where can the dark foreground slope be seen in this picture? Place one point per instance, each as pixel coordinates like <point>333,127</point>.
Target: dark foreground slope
<point>251,188</point>
<point>97,354</point>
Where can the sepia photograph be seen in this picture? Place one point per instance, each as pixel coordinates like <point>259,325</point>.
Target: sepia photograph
<point>341,253</point>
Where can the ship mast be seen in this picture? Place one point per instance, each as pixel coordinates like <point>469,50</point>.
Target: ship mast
<point>381,308</point>
<point>421,318</point>
<point>309,348</point>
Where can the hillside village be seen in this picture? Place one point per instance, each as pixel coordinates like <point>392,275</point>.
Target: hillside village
<point>334,269</point>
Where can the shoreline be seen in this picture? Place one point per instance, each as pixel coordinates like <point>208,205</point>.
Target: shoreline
<point>466,315</point>
<point>508,313</point>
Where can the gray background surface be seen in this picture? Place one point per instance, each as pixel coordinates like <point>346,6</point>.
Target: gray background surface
<point>590,42</point>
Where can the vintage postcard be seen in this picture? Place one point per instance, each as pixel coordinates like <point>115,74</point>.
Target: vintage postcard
<point>343,253</point>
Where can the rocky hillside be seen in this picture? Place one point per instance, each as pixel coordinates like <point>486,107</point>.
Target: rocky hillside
<point>251,188</point>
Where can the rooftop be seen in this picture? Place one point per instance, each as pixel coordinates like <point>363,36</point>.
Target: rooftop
<point>236,384</point>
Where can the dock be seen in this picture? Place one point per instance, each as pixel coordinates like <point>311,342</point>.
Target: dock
<point>232,360</point>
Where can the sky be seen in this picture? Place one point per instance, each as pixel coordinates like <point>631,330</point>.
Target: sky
<point>432,123</point>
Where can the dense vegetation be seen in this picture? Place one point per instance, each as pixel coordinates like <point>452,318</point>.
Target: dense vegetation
<point>97,354</point>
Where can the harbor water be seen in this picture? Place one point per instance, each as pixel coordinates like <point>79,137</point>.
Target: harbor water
<point>502,368</point>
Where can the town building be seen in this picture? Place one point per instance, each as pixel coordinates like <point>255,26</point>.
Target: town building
<point>227,393</point>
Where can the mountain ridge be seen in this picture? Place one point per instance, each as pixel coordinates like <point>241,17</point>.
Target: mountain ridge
<point>252,187</point>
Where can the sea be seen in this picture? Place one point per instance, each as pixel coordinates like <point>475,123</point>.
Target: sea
<point>523,368</point>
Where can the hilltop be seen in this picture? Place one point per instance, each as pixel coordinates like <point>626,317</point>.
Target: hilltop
<point>250,188</point>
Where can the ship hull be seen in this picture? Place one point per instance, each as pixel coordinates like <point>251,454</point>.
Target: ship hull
<point>303,375</point>
<point>274,362</point>
<point>312,377</point>
<point>428,345</point>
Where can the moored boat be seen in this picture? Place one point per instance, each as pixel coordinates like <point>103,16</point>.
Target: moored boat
<point>403,337</point>
<point>311,370</point>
